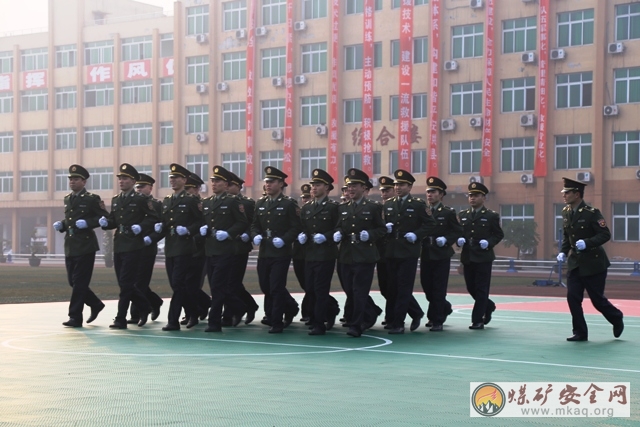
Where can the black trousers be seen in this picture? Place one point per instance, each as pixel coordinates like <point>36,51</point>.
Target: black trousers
<point>382,270</point>
<point>238,268</point>
<point>402,277</point>
<point>145,272</point>
<point>306,308</point>
<point>434,278</point>
<point>348,303</point>
<point>195,278</point>
<point>222,292</point>
<point>127,266</point>
<point>477,276</point>
<point>79,272</point>
<point>357,278</point>
<point>594,285</point>
<point>318,281</point>
<point>183,296</point>
<point>272,275</point>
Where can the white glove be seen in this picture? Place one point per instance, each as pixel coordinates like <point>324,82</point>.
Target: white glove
<point>81,224</point>
<point>411,237</point>
<point>278,242</point>
<point>147,240</point>
<point>136,229</point>
<point>204,230</point>
<point>337,236</point>
<point>102,221</point>
<point>364,236</point>
<point>57,226</point>
<point>461,241</point>
<point>181,230</point>
<point>484,244</point>
<point>441,241</point>
<point>319,238</point>
<point>302,238</point>
<point>581,245</point>
<point>158,227</point>
<point>561,257</point>
<point>389,227</point>
<point>221,235</point>
<point>244,237</point>
<point>257,240</point>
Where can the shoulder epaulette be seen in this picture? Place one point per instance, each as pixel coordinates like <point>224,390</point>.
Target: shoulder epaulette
<point>168,196</point>
<point>590,208</point>
<point>566,208</point>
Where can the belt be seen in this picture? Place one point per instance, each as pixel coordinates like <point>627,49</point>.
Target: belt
<point>269,234</point>
<point>354,237</point>
<point>124,229</point>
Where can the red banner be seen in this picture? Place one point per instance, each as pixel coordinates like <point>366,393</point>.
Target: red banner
<point>333,111</point>
<point>434,126</point>
<point>167,67</point>
<point>34,79</point>
<point>487,129</point>
<point>540,168</point>
<point>251,50</point>
<point>137,70</point>
<point>367,88</point>
<point>287,163</point>
<point>405,97</point>
<point>102,73</point>
<point>6,82</point>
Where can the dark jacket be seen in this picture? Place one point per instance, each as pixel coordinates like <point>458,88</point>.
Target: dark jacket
<point>87,206</point>
<point>182,210</point>
<point>280,219</point>
<point>485,226</point>
<point>225,213</point>
<point>412,217</point>
<point>353,219</point>
<point>134,209</point>
<point>320,217</point>
<point>447,226</point>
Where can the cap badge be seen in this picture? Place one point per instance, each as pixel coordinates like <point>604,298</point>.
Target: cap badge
<point>216,171</point>
<point>173,168</point>
<point>473,185</point>
<point>73,169</point>
<point>315,173</point>
<point>400,173</point>
<point>430,180</point>
<point>268,170</point>
<point>124,167</point>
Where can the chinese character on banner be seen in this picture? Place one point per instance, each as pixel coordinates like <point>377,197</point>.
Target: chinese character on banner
<point>356,136</point>
<point>35,79</point>
<point>249,170</point>
<point>100,73</point>
<point>136,70</point>
<point>414,134</point>
<point>167,67</point>
<point>6,82</point>
<point>384,136</point>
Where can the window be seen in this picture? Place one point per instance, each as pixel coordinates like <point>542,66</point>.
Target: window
<point>98,95</point>
<point>98,137</point>
<point>6,102</point>
<point>419,106</point>
<point>6,62</point>
<point>66,97</point>
<point>198,119</point>
<point>314,9</point>
<point>626,222</point>
<point>136,134</point>
<point>353,56</point>
<point>66,138</point>
<point>34,59</point>
<point>558,221</point>
<point>234,15</point>
<point>144,169</point>
<point>198,164</point>
<point>314,58</point>
<point>234,116</point>
<point>353,111</point>
<point>519,35</point>
<point>61,177</point>
<point>575,28</point>
<point>420,51</point>
<point>166,89</point>
<point>466,98</point>
<point>235,162</point>
<point>100,179</point>
<point>98,52</point>
<point>509,213</point>
<point>626,148</point>
<point>314,110</point>
<point>166,133</point>
<point>573,151</point>
<point>354,160</point>
<point>6,182</point>
<point>34,140</point>
<point>357,6</point>
<point>627,21</point>
<point>272,113</point>
<point>33,181</point>
<point>468,41</point>
<point>6,142</point>
<point>166,45</point>
<point>197,20</point>
<point>198,69</point>
<point>274,62</point>
<point>136,92</point>
<point>395,4</point>
<point>516,154</point>
<point>164,176</point>
<point>418,161</point>
<point>234,66</point>
<point>627,85</point>
<point>465,156</point>
<point>66,56</point>
<point>311,159</point>
<point>274,12</point>
<point>574,90</point>
<point>273,158</point>
<point>135,48</point>
<point>519,94</point>
<point>34,100</point>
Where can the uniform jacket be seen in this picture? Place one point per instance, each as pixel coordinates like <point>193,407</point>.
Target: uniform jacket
<point>249,206</point>
<point>485,226</point>
<point>447,226</point>
<point>412,217</point>
<point>152,249</point>
<point>185,210</point>
<point>280,219</point>
<point>589,225</point>
<point>87,206</point>
<point>354,219</point>
<point>225,213</point>
<point>320,217</point>
<point>135,208</point>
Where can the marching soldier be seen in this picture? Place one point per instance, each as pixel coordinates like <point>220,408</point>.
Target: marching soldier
<point>306,308</point>
<point>584,233</point>
<point>437,250</point>
<point>382,270</point>
<point>82,211</point>
<point>133,217</point>
<point>481,232</point>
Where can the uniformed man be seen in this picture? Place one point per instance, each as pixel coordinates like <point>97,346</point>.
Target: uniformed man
<point>319,218</point>
<point>306,308</point>
<point>276,224</point>
<point>359,227</point>
<point>133,216</point>
<point>181,220</point>
<point>437,250</point>
<point>382,269</point>
<point>408,221</point>
<point>481,232</point>
<point>82,210</point>
<point>224,221</point>
<point>584,233</point>
<point>348,304</point>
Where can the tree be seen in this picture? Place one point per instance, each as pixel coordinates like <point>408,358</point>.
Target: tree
<point>521,234</point>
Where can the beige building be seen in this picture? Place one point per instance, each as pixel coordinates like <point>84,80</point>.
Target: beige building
<point>119,81</point>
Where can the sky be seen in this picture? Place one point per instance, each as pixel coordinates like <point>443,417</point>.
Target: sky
<point>29,14</point>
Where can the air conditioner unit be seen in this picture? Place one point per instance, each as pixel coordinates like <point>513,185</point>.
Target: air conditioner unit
<point>475,4</point>
<point>277,81</point>
<point>201,137</point>
<point>583,176</point>
<point>299,26</point>
<point>638,174</point>
<point>201,88</point>
<point>556,54</point>
<point>610,110</point>
<point>447,124</point>
<point>261,31</point>
<point>475,122</point>
<point>451,65</point>
<point>527,120</point>
<point>526,178</point>
<point>300,80</point>
<point>202,38</point>
<point>277,134</point>
<point>529,57</point>
<point>222,87</point>
<point>475,178</point>
<point>241,33</point>
<point>374,181</point>
<point>321,130</point>
<point>615,47</point>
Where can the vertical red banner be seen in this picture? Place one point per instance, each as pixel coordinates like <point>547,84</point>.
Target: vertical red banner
<point>434,126</point>
<point>251,52</point>
<point>367,87</point>
<point>405,98</point>
<point>333,111</point>
<point>487,129</point>
<point>287,163</point>
<point>540,168</point>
